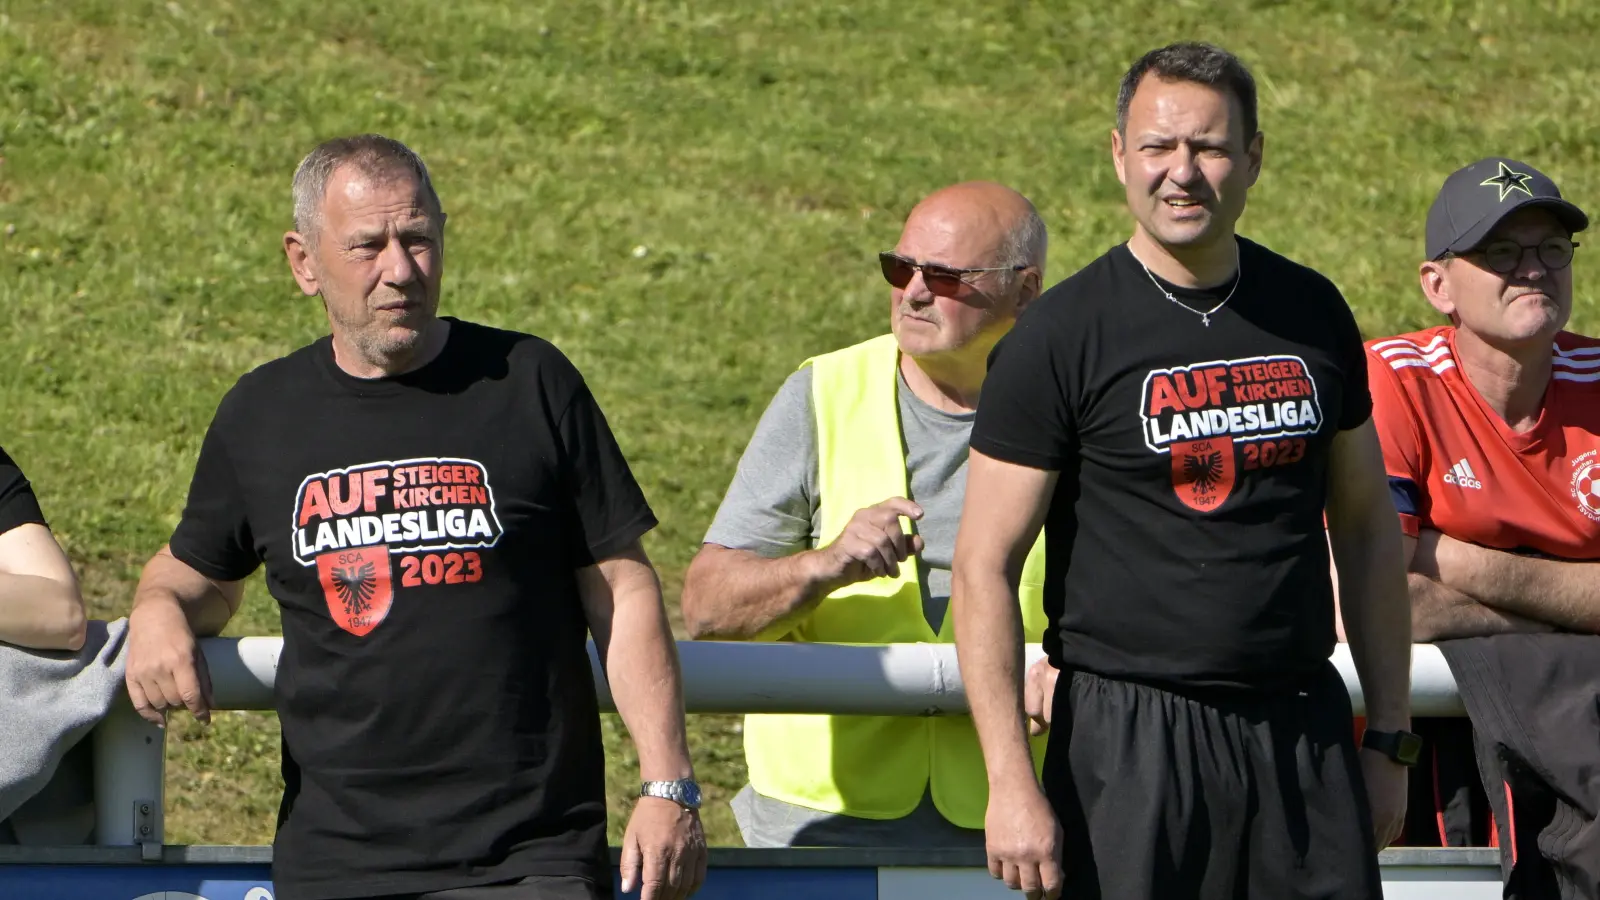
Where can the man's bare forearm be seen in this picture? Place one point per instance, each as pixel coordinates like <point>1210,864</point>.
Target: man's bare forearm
<point>733,594</point>
<point>633,636</point>
<point>1370,554</point>
<point>988,631</point>
<point>40,605</point>
<point>206,606</point>
<point>1562,593</point>
<point>1440,612</point>
<point>1377,620</point>
<point>39,612</point>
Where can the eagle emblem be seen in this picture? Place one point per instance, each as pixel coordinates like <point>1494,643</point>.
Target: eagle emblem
<point>1203,472</point>
<point>357,586</point>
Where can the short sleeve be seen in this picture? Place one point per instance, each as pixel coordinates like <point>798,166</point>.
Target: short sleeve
<point>1026,414</point>
<point>1396,424</point>
<point>214,536</point>
<point>610,506</point>
<point>1351,356</point>
<point>18,505</point>
<point>771,505</point>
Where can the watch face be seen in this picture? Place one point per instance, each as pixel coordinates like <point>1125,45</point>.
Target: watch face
<point>691,793</point>
<point>1409,749</point>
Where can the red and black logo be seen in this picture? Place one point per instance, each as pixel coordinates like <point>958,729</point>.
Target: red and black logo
<point>1199,413</point>
<point>348,523</point>
<point>358,586</point>
<point>1202,472</point>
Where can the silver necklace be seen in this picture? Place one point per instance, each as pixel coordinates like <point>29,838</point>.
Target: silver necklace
<point>1205,317</point>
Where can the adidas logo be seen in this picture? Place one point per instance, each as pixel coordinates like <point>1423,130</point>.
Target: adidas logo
<point>1461,475</point>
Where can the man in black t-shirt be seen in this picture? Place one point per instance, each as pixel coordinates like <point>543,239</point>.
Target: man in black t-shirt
<point>1177,416</point>
<point>444,516</point>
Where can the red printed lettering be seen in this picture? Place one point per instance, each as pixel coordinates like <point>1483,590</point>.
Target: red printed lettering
<point>314,503</point>
<point>1162,396</point>
<point>1216,383</point>
<point>372,489</point>
<point>1190,390</point>
<point>435,568</point>
<point>345,505</point>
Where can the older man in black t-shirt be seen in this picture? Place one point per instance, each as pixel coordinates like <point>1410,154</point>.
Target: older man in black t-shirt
<point>1178,415</point>
<point>444,516</point>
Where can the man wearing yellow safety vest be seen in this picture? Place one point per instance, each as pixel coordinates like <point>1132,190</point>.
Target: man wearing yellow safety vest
<point>840,524</point>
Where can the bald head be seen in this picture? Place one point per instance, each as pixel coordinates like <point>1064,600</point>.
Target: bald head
<point>994,235</point>
<point>987,224</point>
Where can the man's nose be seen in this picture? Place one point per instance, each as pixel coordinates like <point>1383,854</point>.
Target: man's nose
<point>1184,169</point>
<point>1529,266</point>
<point>916,290</point>
<point>399,268</point>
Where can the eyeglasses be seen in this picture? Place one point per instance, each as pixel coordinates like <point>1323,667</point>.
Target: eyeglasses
<point>945,281</point>
<point>1503,257</point>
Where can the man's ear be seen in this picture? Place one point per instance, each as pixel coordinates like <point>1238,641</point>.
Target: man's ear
<point>1435,279</point>
<point>1032,285</point>
<point>1116,155</point>
<point>298,249</point>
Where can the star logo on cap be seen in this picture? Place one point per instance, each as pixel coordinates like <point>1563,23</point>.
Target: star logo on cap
<point>1507,181</point>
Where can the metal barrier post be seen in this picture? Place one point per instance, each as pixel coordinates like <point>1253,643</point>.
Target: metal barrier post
<point>129,754</point>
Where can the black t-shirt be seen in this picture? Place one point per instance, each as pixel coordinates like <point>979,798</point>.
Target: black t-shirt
<point>421,535</point>
<point>18,506</point>
<point>1185,540</point>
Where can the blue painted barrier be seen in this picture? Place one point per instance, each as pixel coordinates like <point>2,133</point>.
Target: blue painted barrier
<point>243,873</point>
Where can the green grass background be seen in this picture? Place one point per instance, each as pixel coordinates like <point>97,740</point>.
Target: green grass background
<point>761,151</point>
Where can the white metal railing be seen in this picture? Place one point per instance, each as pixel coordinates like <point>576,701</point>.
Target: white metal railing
<point>718,677</point>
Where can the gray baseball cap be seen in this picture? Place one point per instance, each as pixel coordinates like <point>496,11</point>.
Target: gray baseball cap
<point>1473,200</point>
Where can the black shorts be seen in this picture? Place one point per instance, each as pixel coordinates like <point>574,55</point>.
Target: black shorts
<point>1163,796</point>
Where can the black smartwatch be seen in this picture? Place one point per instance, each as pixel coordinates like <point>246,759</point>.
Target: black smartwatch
<point>1401,746</point>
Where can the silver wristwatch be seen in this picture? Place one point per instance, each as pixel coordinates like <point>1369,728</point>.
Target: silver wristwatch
<point>684,792</point>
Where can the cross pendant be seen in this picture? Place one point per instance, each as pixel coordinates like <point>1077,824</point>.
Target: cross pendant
<point>1205,319</point>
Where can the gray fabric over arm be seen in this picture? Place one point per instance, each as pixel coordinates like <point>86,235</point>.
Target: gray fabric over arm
<point>771,507</point>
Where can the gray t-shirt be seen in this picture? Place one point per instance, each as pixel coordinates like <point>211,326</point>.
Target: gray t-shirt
<point>771,507</point>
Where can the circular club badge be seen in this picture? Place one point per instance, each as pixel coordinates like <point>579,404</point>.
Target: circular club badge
<point>1586,484</point>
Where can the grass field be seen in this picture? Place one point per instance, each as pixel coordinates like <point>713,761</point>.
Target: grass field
<point>684,196</point>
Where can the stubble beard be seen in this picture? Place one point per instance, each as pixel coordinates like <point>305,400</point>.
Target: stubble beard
<point>383,344</point>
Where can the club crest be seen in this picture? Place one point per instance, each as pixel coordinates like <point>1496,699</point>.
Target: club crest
<point>358,587</point>
<point>1203,472</point>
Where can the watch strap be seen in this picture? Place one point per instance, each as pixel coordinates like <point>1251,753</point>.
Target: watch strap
<point>1401,746</point>
<point>685,791</point>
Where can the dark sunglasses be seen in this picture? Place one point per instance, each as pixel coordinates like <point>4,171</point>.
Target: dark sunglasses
<point>1503,257</point>
<point>945,281</point>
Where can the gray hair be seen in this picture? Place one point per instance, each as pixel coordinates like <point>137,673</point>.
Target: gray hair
<point>372,154</point>
<point>1026,243</point>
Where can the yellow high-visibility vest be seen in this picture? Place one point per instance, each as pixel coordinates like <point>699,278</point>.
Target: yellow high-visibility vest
<point>874,767</point>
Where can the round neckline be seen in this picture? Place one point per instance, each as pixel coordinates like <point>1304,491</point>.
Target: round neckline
<point>921,406</point>
<point>384,385</point>
<point>1203,296</point>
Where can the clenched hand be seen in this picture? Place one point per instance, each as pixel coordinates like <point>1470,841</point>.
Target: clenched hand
<point>1386,792</point>
<point>1024,842</point>
<point>165,667</point>
<point>872,544</point>
<point>663,851</point>
<point>1038,691</point>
